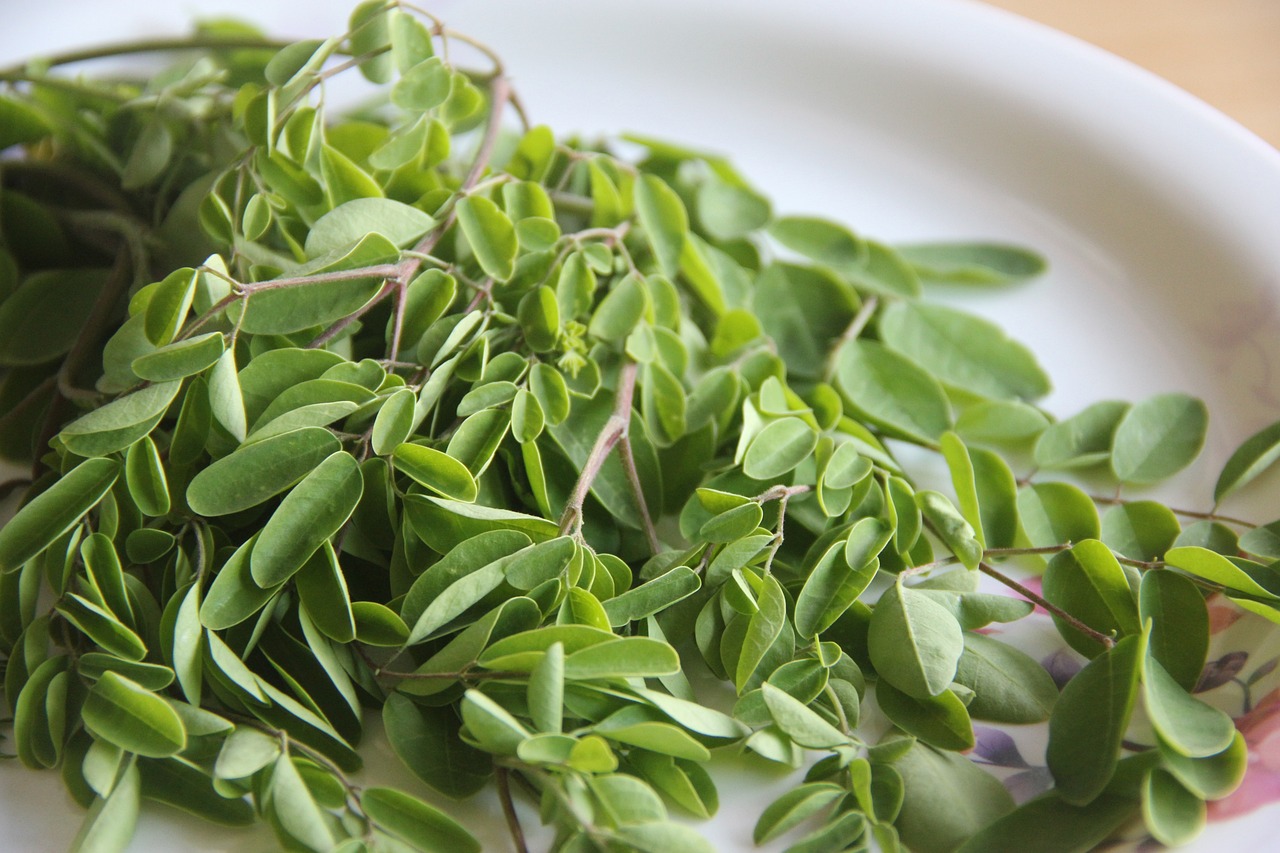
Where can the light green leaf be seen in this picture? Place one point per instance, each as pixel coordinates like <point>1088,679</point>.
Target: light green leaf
<point>53,512</point>
<point>1087,582</point>
<point>1009,685</point>
<point>664,220</point>
<point>312,512</point>
<point>490,234</point>
<point>779,448</point>
<point>415,822</point>
<point>973,263</point>
<point>914,642</point>
<point>122,712</point>
<point>1185,724</point>
<point>1172,814</point>
<point>1258,453</point>
<point>1215,568</point>
<point>963,350</point>
<point>891,391</point>
<point>121,422</point>
<point>349,223</point>
<point>1159,437</point>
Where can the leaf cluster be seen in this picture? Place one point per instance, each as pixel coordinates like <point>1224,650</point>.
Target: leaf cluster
<point>414,411</point>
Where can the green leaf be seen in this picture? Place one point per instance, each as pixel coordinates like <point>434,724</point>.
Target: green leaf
<point>803,309</point>
<point>1258,453</point>
<point>779,448</point>
<point>946,799</point>
<point>121,422</point>
<point>1179,621</point>
<point>652,597</point>
<point>53,512</point>
<point>322,589</point>
<point>963,351</point>
<point>296,815</point>
<point>1172,814</point>
<point>42,318</point>
<point>821,240</point>
<point>941,721</point>
<point>1075,829</point>
<point>284,310</point>
<point>1215,568</point>
<point>1057,513</point>
<point>803,725</point>
<point>370,29</point>
<point>892,391</point>
<point>21,123</point>
<point>233,596</point>
<point>1087,582</point>
<point>794,808</point>
<point>1140,530</point>
<point>311,513</point>
<point>109,825</point>
<point>149,155</point>
<point>1185,724</point>
<point>349,223</point>
<point>426,741</point>
<point>1082,439</point>
<point>1159,437</point>
<point>259,471</point>
<point>436,470</point>
<point>1000,422</point>
<point>973,263</point>
<point>490,234</point>
<point>830,589</point>
<point>415,822</point>
<point>121,712</point>
<point>914,642</point>
<point>663,837</point>
<point>730,209</point>
<point>423,87</point>
<point>955,532</point>
<point>145,478</point>
<point>619,311</point>
<point>1090,719</point>
<point>664,220</point>
<point>1009,685</point>
<point>625,657</point>
<point>1210,778</point>
<point>180,359</point>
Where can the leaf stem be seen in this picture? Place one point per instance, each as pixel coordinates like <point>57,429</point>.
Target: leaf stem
<point>854,329</point>
<point>148,45</point>
<point>615,429</point>
<point>1116,500</point>
<point>509,810</point>
<point>987,569</point>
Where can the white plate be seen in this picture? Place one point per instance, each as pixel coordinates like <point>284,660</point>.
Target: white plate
<point>916,119</point>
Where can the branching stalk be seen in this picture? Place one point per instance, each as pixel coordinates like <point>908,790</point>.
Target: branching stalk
<point>1037,599</point>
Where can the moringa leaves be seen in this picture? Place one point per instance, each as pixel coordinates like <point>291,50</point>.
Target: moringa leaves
<point>519,443</point>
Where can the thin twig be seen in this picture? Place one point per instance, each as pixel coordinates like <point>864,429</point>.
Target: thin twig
<point>1040,600</point>
<point>509,810</point>
<point>1188,513</point>
<point>615,428</point>
<point>854,329</point>
<point>633,478</point>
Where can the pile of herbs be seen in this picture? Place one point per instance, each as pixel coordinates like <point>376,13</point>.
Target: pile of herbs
<point>422,412</point>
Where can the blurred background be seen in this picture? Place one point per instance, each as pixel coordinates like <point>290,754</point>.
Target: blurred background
<point>1226,52</point>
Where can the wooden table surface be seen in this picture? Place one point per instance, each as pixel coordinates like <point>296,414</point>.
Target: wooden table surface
<point>1226,52</point>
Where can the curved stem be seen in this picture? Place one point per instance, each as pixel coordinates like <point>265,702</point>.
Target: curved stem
<point>615,429</point>
<point>1040,600</point>
<point>148,45</point>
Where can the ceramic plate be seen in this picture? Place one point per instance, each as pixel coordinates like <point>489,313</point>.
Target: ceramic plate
<point>917,119</point>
